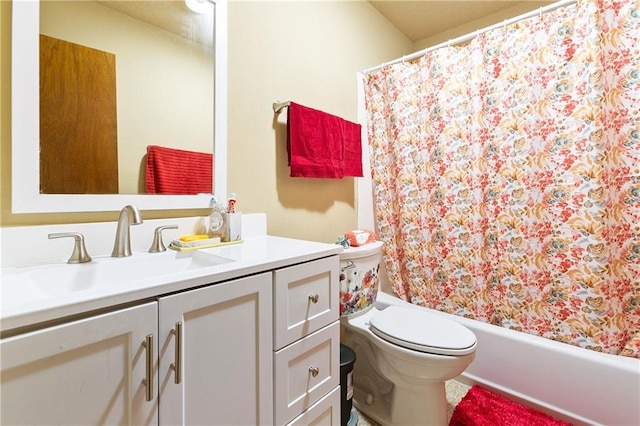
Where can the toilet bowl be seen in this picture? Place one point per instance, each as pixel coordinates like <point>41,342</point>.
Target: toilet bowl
<point>403,354</point>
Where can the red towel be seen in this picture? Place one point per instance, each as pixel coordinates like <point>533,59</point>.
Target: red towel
<point>175,171</point>
<point>322,145</point>
<point>352,149</point>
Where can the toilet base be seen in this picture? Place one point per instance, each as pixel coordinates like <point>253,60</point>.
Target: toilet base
<point>420,402</point>
<point>378,409</point>
<point>427,407</point>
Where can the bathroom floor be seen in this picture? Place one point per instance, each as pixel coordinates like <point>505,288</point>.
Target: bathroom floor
<point>455,392</point>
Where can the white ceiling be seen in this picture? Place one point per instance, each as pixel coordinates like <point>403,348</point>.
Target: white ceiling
<point>170,15</point>
<point>417,19</point>
<point>424,19</point>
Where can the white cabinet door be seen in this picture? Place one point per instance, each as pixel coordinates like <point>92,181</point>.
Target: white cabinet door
<point>216,342</point>
<point>87,372</point>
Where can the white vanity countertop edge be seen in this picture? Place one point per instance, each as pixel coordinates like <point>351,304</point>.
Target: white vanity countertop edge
<point>254,255</point>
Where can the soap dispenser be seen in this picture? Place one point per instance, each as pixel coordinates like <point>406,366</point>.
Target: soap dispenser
<point>216,226</point>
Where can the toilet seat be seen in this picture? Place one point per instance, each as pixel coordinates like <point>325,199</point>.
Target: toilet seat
<point>422,331</point>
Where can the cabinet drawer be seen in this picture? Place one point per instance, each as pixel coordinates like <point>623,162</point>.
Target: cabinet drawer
<point>305,299</point>
<point>324,412</point>
<point>295,386</point>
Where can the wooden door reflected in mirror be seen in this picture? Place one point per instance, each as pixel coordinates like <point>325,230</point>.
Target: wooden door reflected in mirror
<point>78,119</point>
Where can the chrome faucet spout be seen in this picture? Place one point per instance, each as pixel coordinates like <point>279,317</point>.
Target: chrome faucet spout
<point>129,215</point>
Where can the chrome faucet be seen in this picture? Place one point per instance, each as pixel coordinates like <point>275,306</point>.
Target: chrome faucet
<point>129,215</point>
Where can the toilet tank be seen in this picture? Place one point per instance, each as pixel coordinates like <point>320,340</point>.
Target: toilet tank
<point>359,277</point>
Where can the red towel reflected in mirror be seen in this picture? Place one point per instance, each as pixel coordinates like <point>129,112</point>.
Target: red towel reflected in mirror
<point>178,172</point>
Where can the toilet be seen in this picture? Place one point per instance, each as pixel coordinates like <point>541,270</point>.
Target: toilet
<point>404,354</point>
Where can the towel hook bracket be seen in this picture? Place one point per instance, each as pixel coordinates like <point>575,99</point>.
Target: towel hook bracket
<point>279,106</point>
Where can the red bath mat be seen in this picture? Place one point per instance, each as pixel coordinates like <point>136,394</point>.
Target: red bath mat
<point>479,407</point>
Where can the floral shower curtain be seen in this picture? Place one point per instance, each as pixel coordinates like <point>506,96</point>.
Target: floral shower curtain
<point>506,176</point>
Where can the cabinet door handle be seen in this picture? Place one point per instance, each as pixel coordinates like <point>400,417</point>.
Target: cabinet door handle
<point>148,381</point>
<point>314,371</point>
<point>177,364</point>
<point>313,298</point>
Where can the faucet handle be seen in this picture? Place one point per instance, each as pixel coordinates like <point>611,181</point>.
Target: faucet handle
<point>79,254</point>
<point>158,246</point>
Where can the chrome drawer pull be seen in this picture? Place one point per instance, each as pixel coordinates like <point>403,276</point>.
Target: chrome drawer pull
<point>177,364</point>
<point>313,298</point>
<point>148,380</point>
<point>314,371</point>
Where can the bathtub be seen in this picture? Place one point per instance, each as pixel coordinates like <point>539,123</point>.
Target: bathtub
<point>569,383</point>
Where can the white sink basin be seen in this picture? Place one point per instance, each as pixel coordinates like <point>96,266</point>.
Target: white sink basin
<point>26,284</point>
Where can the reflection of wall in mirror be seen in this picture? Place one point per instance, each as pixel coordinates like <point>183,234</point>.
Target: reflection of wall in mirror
<point>164,83</point>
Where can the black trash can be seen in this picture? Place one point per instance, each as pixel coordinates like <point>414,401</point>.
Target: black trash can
<point>347,359</point>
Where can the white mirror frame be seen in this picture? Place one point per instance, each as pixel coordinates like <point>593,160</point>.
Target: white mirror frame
<point>25,128</point>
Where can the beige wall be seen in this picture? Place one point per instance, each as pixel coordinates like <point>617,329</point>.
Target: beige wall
<point>5,109</point>
<point>308,52</point>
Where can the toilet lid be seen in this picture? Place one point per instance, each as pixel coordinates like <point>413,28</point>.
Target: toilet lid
<point>422,331</point>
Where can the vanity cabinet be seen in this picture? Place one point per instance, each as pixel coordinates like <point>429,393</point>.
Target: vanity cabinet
<point>212,363</point>
<point>261,349</point>
<point>215,354</point>
<point>86,372</point>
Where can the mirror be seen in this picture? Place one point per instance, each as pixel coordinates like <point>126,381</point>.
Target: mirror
<point>26,196</point>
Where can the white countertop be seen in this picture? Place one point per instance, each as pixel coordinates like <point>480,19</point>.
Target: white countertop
<point>26,304</point>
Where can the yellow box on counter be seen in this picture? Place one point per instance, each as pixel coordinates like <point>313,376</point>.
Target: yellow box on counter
<point>218,244</point>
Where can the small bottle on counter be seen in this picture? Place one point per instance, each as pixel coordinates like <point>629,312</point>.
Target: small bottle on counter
<point>234,220</point>
<point>232,203</point>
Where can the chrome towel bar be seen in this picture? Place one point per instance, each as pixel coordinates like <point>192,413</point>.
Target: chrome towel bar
<point>279,106</point>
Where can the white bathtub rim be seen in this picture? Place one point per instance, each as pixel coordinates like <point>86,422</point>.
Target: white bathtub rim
<point>625,368</point>
<point>628,364</point>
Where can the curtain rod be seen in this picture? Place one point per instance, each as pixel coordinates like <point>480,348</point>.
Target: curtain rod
<point>474,34</point>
